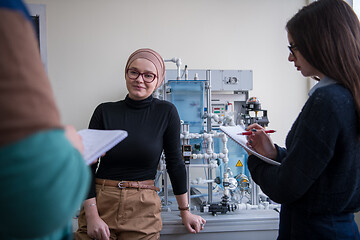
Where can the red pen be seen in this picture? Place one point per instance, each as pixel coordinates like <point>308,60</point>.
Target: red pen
<point>254,130</point>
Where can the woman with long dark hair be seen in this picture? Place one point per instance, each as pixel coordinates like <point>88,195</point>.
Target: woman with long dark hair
<point>318,181</point>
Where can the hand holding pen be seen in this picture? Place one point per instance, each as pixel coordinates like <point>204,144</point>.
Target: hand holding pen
<point>260,141</point>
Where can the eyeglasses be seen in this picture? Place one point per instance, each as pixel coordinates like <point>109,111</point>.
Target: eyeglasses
<point>134,74</point>
<point>292,48</point>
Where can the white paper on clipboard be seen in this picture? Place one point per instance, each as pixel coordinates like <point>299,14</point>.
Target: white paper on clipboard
<point>98,142</point>
<point>232,132</point>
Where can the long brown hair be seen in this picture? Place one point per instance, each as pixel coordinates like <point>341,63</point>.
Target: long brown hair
<point>327,33</point>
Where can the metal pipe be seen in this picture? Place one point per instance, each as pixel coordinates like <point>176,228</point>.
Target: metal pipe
<point>209,128</point>
<point>208,100</point>
<point>203,165</point>
<point>188,184</point>
<point>185,132</point>
<point>255,199</point>
<point>177,61</point>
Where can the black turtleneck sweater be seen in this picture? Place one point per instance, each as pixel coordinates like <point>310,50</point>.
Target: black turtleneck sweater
<point>153,125</point>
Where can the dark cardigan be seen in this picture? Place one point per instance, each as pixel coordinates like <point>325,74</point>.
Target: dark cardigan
<point>320,167</point>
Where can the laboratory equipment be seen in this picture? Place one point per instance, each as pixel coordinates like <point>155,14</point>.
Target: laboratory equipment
<point>254,113</point>
<point>218,180</point>
<point>219,183</point>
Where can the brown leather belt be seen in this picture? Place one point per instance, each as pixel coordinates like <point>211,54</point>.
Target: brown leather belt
<point>147,184</point>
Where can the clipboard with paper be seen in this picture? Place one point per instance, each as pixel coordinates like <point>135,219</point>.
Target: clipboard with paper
<point>232,132</point>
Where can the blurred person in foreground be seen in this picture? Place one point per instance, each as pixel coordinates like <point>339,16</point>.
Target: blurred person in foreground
<point>43,176</point>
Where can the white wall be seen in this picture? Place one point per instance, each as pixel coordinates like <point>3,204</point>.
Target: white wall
<point>89,41</point>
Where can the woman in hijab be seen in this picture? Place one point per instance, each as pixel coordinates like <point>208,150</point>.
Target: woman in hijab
<point>43,176</point>
<point>123,202</point>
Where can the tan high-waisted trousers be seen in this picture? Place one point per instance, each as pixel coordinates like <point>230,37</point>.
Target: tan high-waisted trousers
<point>130,213</point>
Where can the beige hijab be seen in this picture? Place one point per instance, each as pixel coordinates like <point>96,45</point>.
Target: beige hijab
<point>26,100</point>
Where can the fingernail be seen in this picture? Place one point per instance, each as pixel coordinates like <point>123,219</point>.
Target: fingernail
<point>250,141</point>
<point>254,130</point>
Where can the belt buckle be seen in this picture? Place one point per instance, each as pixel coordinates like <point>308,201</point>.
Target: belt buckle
<point>120,184</point>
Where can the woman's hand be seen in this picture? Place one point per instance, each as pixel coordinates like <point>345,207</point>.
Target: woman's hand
<point>261,141</point>
<point>97,228</point>
<point>74,138</point>
<point>192,222</point>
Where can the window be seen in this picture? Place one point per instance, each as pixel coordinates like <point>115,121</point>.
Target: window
<point>37,13</point>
